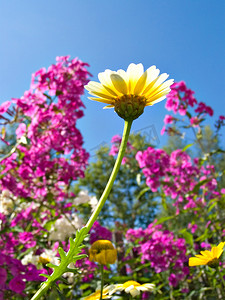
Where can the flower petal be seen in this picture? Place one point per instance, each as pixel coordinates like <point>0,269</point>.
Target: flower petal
<point>103,100</point>
<point>134,72</point>
<point>194,261</point>
<point>104,78</point>
<point>140,84</point>
<point>119,83</point>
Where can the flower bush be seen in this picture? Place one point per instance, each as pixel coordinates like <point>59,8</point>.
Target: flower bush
<point>42,157</point>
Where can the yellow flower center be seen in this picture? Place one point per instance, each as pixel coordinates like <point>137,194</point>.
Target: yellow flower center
<point>130,282</point>
<point>130,107</point>
<point>44,260</point>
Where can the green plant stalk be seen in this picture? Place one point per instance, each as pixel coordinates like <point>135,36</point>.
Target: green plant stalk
<point>126,132</point>
<point>46,285</point>
<point>102,280</point>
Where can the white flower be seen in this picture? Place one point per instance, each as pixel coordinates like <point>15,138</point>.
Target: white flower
<point>130,91</point>
<point>49,256</point>
<point>30,258</point>
<point>82,197</point>
<point>133,287</point>
<point>93,202</point>
<point>65,227</point>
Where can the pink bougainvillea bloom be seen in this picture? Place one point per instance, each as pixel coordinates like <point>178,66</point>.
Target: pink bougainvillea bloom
<point>4,107</point>
<point>168,119</point>
<point>17,285</point>
<point>3,277</point>
<point>222,191</point>
<point>21,130</point>
<point>195,121</point>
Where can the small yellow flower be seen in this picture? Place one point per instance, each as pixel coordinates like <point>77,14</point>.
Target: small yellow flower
<point>44,260</point>
<point>133,287</point>
<point>130,91</point>
<point>97,294</point>
<point>210,258</point>
<point>103,252</point>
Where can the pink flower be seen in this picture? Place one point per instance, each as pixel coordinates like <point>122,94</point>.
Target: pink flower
<point>21,130</point>
<point>195,121</point>
<point>173,280</point>
<point>4,107</point>
<point>17,285</point>
<point>203,108</point>
<point>193,227</point>
<point>168,119</point>
<point>3,277</point>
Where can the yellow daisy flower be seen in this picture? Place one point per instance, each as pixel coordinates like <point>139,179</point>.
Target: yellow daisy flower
<point>130,91</point>
<point>97,294</point>
<point>210,258</point>
<point>103,252</point>
<point>133,287</point>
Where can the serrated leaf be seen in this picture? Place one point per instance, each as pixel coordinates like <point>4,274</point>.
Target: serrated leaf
<point>61,253</point>
<point>50,265</point>
<point>44,275</point>
<point>79,257</point>
<point>66,259</point>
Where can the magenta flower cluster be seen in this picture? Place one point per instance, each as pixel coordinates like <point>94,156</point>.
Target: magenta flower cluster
<point>177,176</point>
<point>99,232</point>
<point>116,140</point>
<point>162,249</point>
<point>15,282</point>
<point>51,155</point>
<point>46,158</point>
<point>180,100</point>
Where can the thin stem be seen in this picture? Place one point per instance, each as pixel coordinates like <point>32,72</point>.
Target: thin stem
<point>126,131</point>
<point>102,280</point>
<point>62,267</point>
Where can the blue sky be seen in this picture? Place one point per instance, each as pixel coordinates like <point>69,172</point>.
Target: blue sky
<point>184,38</point>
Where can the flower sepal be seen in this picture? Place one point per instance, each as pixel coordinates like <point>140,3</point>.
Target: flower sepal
<point>130,107</point>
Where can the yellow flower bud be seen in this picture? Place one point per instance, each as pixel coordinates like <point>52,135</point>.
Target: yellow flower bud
<point>103,252</point>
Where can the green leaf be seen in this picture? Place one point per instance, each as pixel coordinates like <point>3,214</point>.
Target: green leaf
<point>212,206</point>
<point>163,219</point>
<point>188,237</point>
<point>62,253</point>
<point>57,93</point>
<point>186,147</point>
<point>188,114</point>
<point>84,286</point>
<point>142,192</point>
<point>198,185</point>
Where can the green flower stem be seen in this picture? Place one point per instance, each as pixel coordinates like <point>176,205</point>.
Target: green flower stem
<point>67,259</point>
<point>222,280</point>
<point>126,132</point>
<point>102,279</point>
